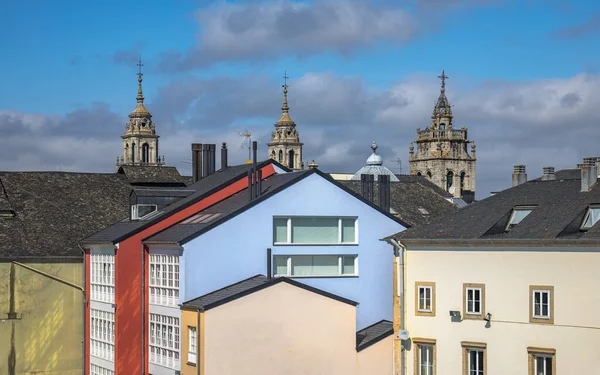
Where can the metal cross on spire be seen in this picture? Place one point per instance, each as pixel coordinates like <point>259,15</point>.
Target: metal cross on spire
<point>139,64</point>
<point>285,78</point>
<point>443,77</point>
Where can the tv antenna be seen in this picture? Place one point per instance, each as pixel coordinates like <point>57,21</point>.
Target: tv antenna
<point>247,136</point>
<point>399,162</point>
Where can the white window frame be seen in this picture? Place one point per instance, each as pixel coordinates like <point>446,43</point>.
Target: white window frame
<point>340,218</point>
<point>541,291</point>
<point>102,334</point>
<point>102,277</point>
<point>164,340</point>
<point>430,357</point>
<point>99,370</point>
<point>164,279</point>
<point>510,224</point>
<point>134,211</point>
<point>425,287</point>
<point>192,345</point>
<point>587,216</point>
<point>545,358</point>
<point>479,367</point>
<point>467,301</point>
<point>340,266</point>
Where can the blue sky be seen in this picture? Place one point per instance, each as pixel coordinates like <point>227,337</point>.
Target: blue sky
<point>68,60</point>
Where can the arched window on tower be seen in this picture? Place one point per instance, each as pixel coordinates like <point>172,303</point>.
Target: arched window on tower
<point>126,151</point>
<point>419,174</point>
<point>273,154</point>
<point>449,180</point>
<point>145,153</point>
<point>463,174</point>
<point>442,130</point>
<point>429,175</point>
<point>133,152</point>
<point>280,156</point>
<point>291,159</point>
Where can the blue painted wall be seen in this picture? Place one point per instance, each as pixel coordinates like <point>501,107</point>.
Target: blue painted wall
<point>237,249</point>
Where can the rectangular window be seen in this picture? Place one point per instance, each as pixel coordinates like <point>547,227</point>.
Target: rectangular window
<point>474,358</point>
<point>314,230</point>
<point>591,217</point>
<point>164,279</point>
<point>541,361</point>
<point>474,301</point>
<point>517,215</point>
<point>424,356</point>
<point>102,277</point>
<point>142,211</point>
<point>192,345</point>
<point>424,298</point>
<point>164,340</point>
<point>102,334</point>
<point>541,304</point>
<point>316,265</point>
<point>97,370</point>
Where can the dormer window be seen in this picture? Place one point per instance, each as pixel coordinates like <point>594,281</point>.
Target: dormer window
<point>591,217</point>
<point>142,211</point>
<point>517,215</point>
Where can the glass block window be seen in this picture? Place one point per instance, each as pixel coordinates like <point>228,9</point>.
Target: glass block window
<point>102,334</point>
<point>102,277</point>
<point>164,341</point>
<point>98,370</point>
<point>164,279</point>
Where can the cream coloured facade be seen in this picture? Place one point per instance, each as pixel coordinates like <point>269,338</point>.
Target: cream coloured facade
<point>510,277</point>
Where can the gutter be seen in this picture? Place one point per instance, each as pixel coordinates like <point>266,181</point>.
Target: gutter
<point>399,250</point>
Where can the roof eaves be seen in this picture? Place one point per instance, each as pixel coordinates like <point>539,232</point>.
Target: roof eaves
<point>362,333</point>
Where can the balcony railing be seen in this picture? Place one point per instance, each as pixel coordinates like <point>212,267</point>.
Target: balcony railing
<point>441,134</point>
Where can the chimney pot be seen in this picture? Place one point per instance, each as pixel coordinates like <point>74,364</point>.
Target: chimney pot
<point>548,174</point>
<point>589,176</point>
<point>519,175</point>
<point>196,161</point>
<point>224,156</point>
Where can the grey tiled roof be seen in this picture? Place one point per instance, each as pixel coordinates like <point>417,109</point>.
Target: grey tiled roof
<point>373,334</point>
<point>249,286</point>
<point>56,209</point>
<point>137,174</point>
<point>413,201</point>
<point>559,210</point>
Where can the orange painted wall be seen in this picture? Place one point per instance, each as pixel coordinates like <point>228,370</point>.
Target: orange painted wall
<point>129,321</point>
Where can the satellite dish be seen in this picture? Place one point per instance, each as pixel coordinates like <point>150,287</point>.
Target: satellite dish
<point>403,334</point>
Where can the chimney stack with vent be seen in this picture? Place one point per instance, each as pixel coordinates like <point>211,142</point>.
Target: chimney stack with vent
<point>548,174</point>
<point>384,192</point>
<point>519,176</point>
<point>205,160</point>
<point>224,156</point>
<point>212,156</point>
<point>589,173</point>
<point>196,161</point>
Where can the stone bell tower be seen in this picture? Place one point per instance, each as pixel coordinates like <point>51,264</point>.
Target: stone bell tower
<point>285,146</point>
<point>140,142</point>
<point>442,153</point>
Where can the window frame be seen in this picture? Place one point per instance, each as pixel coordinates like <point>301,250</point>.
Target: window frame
<point>192,345</point>
<point>474,286</point>
<point>512,215</point>
<point>419,343</point>
<point>340,266</point>
<point>161,340</point>
<point>418,310</point>
<point>534,352</point>
<point>587,215</point>
<point>538,318</point>
<point>102,276</point>
<point>468,346</point>
<point>340,231</point>
<point>159,284</point>
<point>102,334</point>
<point>134,211</point>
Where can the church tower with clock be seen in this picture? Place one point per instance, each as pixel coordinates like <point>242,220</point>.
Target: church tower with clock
<point>442,152</point>
<point>285,146</point>
<point>140,141</point>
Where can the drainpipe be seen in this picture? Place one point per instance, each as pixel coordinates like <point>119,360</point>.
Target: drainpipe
<point>198,364</point>
<point>84,341</point>
<point>399,250</point>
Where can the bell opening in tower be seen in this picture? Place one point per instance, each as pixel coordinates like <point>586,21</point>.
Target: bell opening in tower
<point>291,159</point>
<point>462,182</point>
<point>280,156</point>
<point>145,153</point>
<point>133,152</point>
<point>449,180</point>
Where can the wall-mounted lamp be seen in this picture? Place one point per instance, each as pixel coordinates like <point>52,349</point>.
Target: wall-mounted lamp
<point>487,317</point>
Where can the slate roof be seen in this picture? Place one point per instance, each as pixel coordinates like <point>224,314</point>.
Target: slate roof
<point>412,199</point>
<point>54,210</point>
<point>373,334</point>
<point>204,187</point>
<point>559,210</point>
<point>249,286</point>
<point>141,175</point>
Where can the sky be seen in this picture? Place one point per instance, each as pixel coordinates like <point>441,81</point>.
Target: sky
<point>524,78</point>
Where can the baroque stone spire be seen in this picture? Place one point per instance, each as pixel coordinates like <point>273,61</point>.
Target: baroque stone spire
<point>442,108</point>
<point>140,142</point>
<point>285,146</point>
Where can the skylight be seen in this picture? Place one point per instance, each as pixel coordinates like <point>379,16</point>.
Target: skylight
<point>423,211</point>
<point>591,217</point>
<point>517,215</point>
<point>142,211</point>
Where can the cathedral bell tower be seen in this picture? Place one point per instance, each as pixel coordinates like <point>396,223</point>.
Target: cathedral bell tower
<point>442,153</point>
<point>140,142</point>
<point>285,146</point>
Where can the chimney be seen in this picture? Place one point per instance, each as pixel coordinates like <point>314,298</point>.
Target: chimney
<point>589,173</point>
<point>519,176</point>
<point>205,152</point>
<point>371,179</point>
<point>212,153</point>
<point>224,156</point>
<point>196,161</point>
<point>384,192</point>
<point>548,174</point>
<point>269,264</point>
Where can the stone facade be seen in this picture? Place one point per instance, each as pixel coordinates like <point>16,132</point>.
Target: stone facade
<point>140,142</point>
<point>285,146</point>
<point>442,152</point>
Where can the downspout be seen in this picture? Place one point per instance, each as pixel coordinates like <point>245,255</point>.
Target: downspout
<point>143,309</point>
<point>83,341</point>
<point>399,250</point>
<point>198,364</point>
